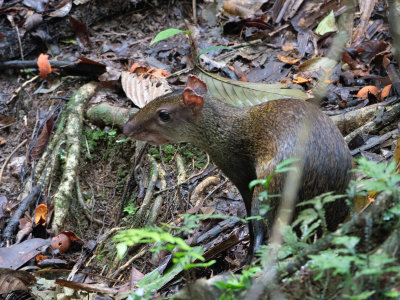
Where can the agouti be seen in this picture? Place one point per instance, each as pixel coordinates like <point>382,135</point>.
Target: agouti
<point>247,143</point>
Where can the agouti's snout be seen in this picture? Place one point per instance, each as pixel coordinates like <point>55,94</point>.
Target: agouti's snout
<point>128,128</point>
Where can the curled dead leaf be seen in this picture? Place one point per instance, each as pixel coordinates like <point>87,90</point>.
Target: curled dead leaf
<point>160,73</point>
<point>300,80</point>
<point>371,89</point>
<point>43,65</point>
<point>41,214</point>
<point>40,257</point>
<point>385,91</point>
<point>288,59</point>
<point>138,68</point>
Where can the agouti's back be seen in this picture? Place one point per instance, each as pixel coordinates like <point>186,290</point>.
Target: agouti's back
<point>248,143</point>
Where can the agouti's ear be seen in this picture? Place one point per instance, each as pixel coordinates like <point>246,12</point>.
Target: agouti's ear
<point>193,100</point>
<point>196,84</point>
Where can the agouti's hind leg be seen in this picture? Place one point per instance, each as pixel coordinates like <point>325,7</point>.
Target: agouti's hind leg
<point>256,233</point>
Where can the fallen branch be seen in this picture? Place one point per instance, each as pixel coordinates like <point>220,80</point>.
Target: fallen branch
<point>144,208</point>
<point>383,119</point>
<point>24,205</point>
<point>73,130</point>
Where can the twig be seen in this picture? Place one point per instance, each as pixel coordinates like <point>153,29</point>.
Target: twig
<point>103,241</point>
<point>194,11</point>
<point>19,43</point>
<point>193,176</point>
<point>86,287</point>
<point>194,198</point>
<point>128,264</point>
<point>9,157</point>
<point>24,205</point>
<point>215,189</point>
<point>16,92</point>
<point>375,142</point>
<point>82,203</point>
<point>388,116</point>
<point>181,169</point>
<point>155,210</point>
<point>143,210</point>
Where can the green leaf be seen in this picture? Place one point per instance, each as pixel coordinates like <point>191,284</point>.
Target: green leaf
<point>212,49</point>
<point>166,34</point>
<point>254,182</point>
<point>287,162</point>
<point>350,242</point>
<point>200,265</point>
<point>361,296</point>
<point>327,24</point>
<point>393,294</point>
<point>121,250</point>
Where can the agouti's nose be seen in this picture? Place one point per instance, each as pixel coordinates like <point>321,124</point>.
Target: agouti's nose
<point>128,128</point>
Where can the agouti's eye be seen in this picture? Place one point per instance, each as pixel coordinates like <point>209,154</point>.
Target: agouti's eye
<point>164,115</point>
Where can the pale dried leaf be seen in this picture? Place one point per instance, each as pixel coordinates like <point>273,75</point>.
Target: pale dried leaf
<point>143,89</point>
<point>238,93</point>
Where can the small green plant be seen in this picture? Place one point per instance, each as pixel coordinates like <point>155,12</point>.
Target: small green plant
<point>162,35</point>
<point>94,138</point>
<point>237,282</point>
<point>282,167</point>
<point>130,210</point>
<point>358,270</point>
<point>169,151</point>
<point>381,177</point>
<point>313,217</point>
<point>153,151</point>
<point>184,258</point>
<point>362,272</point>
<point>62,155</point>
<point>189,152</point>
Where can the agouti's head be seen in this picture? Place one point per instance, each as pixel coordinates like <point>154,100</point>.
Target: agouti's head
<point>169,118</point>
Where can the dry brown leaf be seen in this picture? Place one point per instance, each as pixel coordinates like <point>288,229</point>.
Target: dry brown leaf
<point>385,91</point>
<point>138,68</point>
<point>369,89</point>
<point>287,47</point>
<point>40,257</point>
<point>142,89</point>
<point>160,73</point>
<point>300,80</point>
<point>12,280</point>
<point>43,139</point>
<point>288,59</point>
<point>6,121</point>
